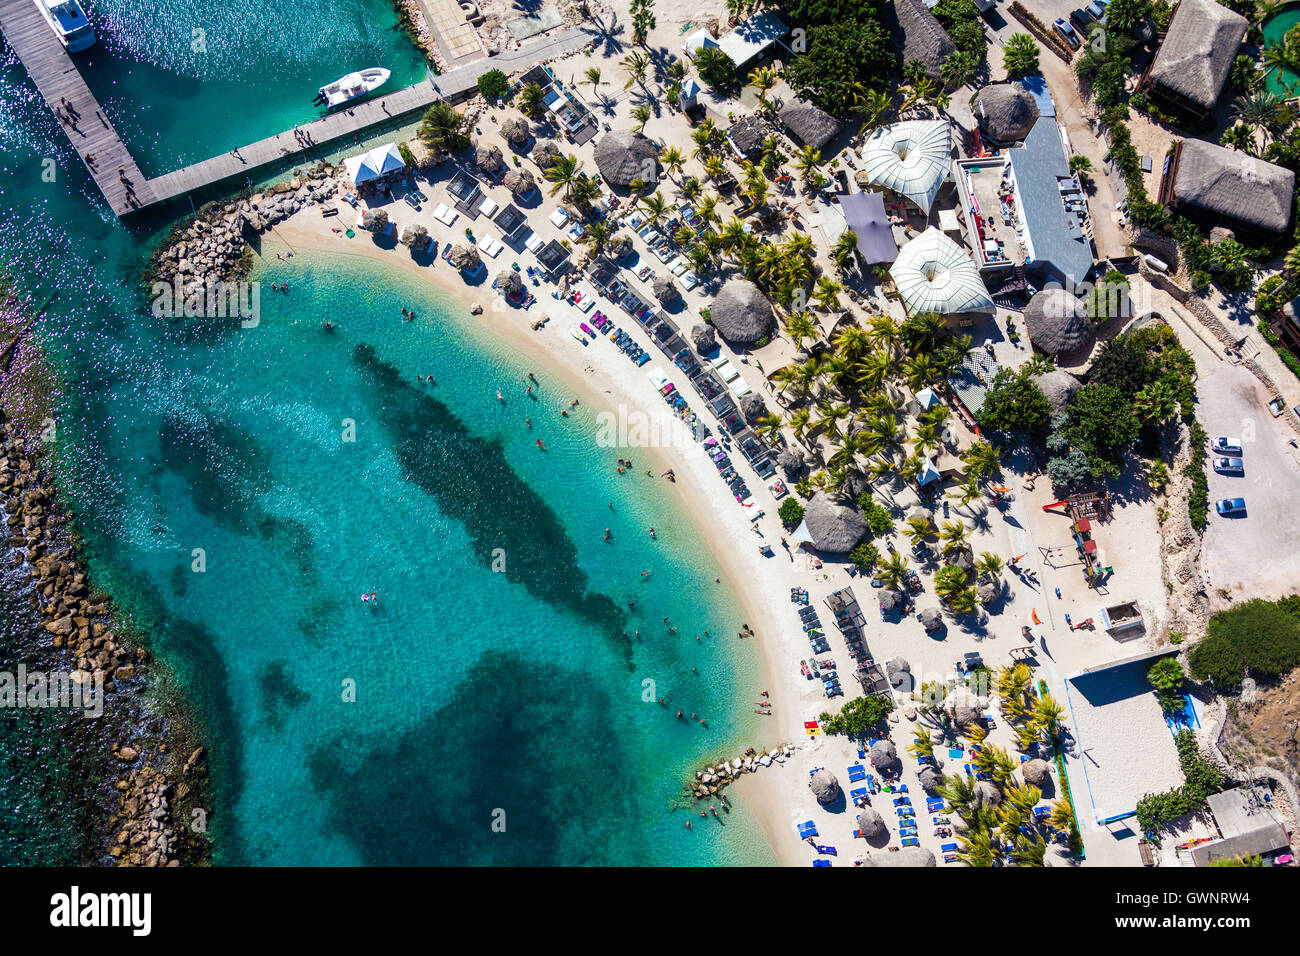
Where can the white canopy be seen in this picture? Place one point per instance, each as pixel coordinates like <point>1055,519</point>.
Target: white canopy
<point>380,161</point>
<point>910,158</point>
<point>697,41</point>
<point>934,274</point>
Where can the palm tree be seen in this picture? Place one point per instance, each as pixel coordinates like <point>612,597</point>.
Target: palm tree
<point>1240,138</point>
<point>875,106</point>
<point>641,113</point>
<point>958,69</point>
<point>982,460</point>
<point>1020,56</point>
<point>918,529</point>
<point>882,433</point>
<point>800,422</point>
<point>771,158</point>
<point>564,173</point>
<point>922,745</point>
<point>1062,815</point>
<point>531,101</point>
<point>954,536</point>
<point>1156,402</point>
<point>919,371</point>
<point>443,129</point>
<point>893,570</point>
<point>827,293</point>
<point>672,159</point>
<point>832,413</point>
<point>763,79</point>
<point>769,427</point>
<point>636,63</point>
<point>1047,714</point>
<point>966,494</point>
<point>715,167</point>
<point>656,208</point>
<point>800,326</point>
<point>1262,110</point>
<point>990,564</point>
<point>845,250</point>
<point>597,235</point>
<point>593,77</point>
<point>806,160</point>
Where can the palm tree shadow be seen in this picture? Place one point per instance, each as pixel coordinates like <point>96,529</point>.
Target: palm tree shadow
<point>605,38</point>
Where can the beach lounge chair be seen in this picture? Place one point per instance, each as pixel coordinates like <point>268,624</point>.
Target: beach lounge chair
<point>807,829</point>
<point>821,862</point>
<point>828,850</point>
<point>559,218</point>
<point>902,801</point>
<point>911,841</point>
<point>907,831</point>
<point>949,848</point>
<point>857,772</point>
<point>859,794</point>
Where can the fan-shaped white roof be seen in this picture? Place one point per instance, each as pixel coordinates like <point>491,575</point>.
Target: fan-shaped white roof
<point>911,158</point>
<point>934,274</point>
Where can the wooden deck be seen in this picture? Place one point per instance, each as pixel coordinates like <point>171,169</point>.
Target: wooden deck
<point>58,80</point>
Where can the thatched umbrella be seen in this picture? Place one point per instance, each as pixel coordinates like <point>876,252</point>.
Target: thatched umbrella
<point>508,281</point>
<point>824,786</point>
<point>932,619</point>
<point>516,131</point>
<point>425,159</point>
<point>1036,772</point>
<point>545,155</point>
<point>414,235</point>
<point>488,157</point>
<point>465,257</point>
<point>890,599</point>
<point>519,181</point>
<point>898,671</point>
<point>702,337</point>
<point>988,592</point>
<point>930,777</point>
<point>834,528</point>
<point>665,291</point>
<point>884,756</point>
<point>987,793</point>
<point>752,407</point>
<point>620,247</point>
<point>919,512</point>
<point>792,462</point>
<point>1006,112</point>
<point>376,220</point>
<point>623,156</point>
<point>907,856</point>
<point>1059,386</point>
<point>963,559</point>
<point>870,823</point>
<point>963,706</point>
<point>741,312</point>
<point>1058,324</point>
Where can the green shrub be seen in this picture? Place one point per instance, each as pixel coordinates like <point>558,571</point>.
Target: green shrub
<point>1258,636</point>
<point>858,716</point>
<point>790,513</point>
<point>864,557</point>
<point>494,85</point>
<point>1166,676</point>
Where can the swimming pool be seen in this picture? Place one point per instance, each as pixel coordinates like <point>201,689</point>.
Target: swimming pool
<point>1274,29</point>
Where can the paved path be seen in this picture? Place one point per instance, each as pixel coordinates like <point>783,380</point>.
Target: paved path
<point>57,78</point>
<point>456,37</point>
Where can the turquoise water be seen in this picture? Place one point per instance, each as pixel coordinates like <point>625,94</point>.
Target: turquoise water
<point>475,713</point>
<point>1273,30</point>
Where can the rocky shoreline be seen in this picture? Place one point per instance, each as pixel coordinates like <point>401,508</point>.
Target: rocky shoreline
<point>714,779</point>
<point>142,748</point>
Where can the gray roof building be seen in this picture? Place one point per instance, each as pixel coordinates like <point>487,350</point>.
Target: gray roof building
<point>1198,51</point>
<point>1055,247</point>
<point>1248,826</point>
<point>1221,183</point>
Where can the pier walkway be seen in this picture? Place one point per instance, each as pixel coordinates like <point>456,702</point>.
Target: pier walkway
<point>57,78</point>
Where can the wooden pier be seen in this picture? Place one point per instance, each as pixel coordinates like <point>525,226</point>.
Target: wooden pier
<point>115,172</point>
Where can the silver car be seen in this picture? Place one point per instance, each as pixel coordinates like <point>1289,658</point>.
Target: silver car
<point>1229,466</point>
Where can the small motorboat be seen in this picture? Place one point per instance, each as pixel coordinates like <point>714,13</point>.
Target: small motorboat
<point>348,88</point>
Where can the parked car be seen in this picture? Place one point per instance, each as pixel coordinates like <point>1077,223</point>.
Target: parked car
<point>1081,20</point>
<point>1067,31</point>
<point>1226,446</point>
<point>1098,10</point>
<point>1230,507</point>
<point>1230,466</point>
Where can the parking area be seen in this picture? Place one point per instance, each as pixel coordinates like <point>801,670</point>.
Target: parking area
<point>1254,555</point>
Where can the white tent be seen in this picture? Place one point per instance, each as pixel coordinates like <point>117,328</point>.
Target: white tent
<point>934,274</point>
<point>697,41</point>
<point>910,158</point>
<point>927,474</point>
<point>927,399</point>
<point>690,90</point>
<point>375,164</point>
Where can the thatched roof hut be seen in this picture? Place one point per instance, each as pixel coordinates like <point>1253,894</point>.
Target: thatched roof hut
<point>1197,53</point>
<point>930,778</point>
<point>487,157</point>
<point>963,706</point>
<point>375,220</point>
<point>1036,772</point>
<point>622,156</point>
<point>465,257</point>
<point>665,291</point>
<point>1006,112</point>
<point>620,247</point>
<point>884,756</point>
<point>752,407</point>
<point>508,281</point>
<point>898,671</point>
<point>1217,184</point>
<point>914,31</point>
<point>834,528</point>
<point>545,155</point>
<point>870,823</point>
<point>792,463</point>
<point>425,159</point>
<point>1058,324</point>
<point>519,181</point>
<point>932,619</point>
<point>907,856</point>
<point>987,793</point>
<point>741,313</point>
<point>414,235</point>
<point>516,131</point>
<point>808,125</point>
<point>988,592</point>
<point>824,786</point>
<point>1059,386</point>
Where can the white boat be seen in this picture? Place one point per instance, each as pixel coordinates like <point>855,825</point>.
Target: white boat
<point>348,88</point>
<point>69,23</point>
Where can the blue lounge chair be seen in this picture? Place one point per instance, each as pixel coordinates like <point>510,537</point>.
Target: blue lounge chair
<point>857,772</point>
<point>925,760</point>
<point>911,841</point>
<point>907,831</point>
<point>949,848</point>
<point>858,794</point>
<point>821,862</point>
<point>807,829</point>
<point>902,801</point>
<point>828,850</point>
<point>967,768</point>
<point>905,811</point>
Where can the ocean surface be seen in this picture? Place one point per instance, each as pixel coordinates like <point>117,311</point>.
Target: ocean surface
<point>240,489</point>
